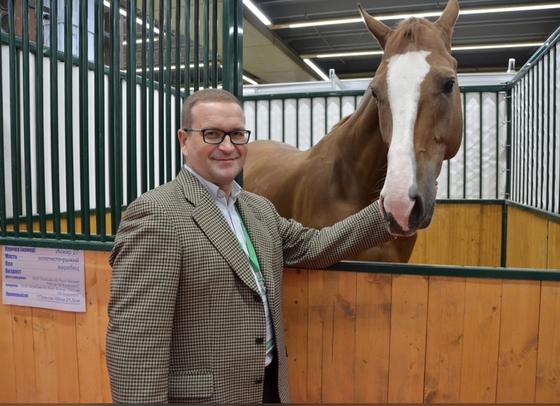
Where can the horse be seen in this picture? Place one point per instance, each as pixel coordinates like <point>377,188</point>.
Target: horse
<point>407,123</point>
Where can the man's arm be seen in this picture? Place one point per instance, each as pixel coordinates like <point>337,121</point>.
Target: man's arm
<point>146,269</point>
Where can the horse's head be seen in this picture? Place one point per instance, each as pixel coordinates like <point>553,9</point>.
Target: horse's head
<point>420,115</point>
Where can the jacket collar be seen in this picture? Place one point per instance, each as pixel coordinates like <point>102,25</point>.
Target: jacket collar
<point>212,223</point>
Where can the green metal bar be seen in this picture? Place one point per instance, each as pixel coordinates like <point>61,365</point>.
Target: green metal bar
<point>167,90</point>
<point>14,117</point>
<point>99,112</point>
<point>297,123</point>
<point>480,146</point>
<point>206,43</point>
<point>555,192</point>
<point>55,158</point>
<point>464,145</point>
<point>497,146</point>
<point>215,64</point>
<point>507,194</point>
<point>131,111</point>
<point>68,123</point>
<point>283,121</point>
<point>28,182</point>
<point>177,87</point>
<point>311,108</point>
<point>143,99</point>
<point>187,59</point>
<point>40,121</point>
<point>232,45</point>
<point>84,121</point>
<point>3,212</point>
<point>163,34</point>
<point>115,118</point>
<point>447,270</point>
<point>196,45</point>
<point>152,97</point>
<point>269,120</point>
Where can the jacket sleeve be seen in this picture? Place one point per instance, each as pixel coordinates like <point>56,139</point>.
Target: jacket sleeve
<point>146,271</point>
<point>309,248</point>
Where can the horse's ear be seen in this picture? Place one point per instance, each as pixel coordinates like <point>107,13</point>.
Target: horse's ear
<point>447,20</point>
<point>379,30</point>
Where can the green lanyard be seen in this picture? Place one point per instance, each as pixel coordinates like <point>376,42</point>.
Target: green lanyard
<point>252,254</point>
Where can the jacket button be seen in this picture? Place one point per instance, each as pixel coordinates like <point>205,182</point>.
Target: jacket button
<point>256,298</point>
<point>259,340</point>
<point>259,379</point>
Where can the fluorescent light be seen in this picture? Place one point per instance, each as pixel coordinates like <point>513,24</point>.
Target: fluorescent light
<point>497,46</point>
<point>317,70</point>
<point>251,81</point>
<point>419,15</point>
<point>257,12</point>
<point>173,67</point>
<point>455,48</point>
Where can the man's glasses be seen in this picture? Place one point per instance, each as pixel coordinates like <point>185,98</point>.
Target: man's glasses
<point>213,136</point>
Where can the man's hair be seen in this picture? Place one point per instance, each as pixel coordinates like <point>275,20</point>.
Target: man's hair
<point>205,96</point>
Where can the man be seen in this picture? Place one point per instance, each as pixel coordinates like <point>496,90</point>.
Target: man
<point>195,313</point>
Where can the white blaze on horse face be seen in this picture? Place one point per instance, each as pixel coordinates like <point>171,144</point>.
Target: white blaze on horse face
<point>405,75</point>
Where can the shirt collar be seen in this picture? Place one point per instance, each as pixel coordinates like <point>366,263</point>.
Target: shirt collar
<point>214,190</point>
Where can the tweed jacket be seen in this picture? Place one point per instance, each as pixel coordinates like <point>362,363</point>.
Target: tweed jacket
<point>186,321</point>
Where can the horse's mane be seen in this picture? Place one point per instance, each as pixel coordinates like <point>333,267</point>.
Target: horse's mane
<point>342,121</point>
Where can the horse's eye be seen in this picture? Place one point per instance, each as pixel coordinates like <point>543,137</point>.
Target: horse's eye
<point>374,95</point>
<point>449,86</point>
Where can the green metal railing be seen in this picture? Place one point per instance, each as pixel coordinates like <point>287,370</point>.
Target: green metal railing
<point>91,103</point>
<point>88,118</point>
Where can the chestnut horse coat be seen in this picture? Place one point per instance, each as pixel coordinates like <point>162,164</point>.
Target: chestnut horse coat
<point>186,321</point>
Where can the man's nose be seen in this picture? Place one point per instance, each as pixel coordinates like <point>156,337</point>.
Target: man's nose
<point>226,144</point>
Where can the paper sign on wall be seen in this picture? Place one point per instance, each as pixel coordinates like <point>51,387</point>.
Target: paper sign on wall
<point>51,278</point>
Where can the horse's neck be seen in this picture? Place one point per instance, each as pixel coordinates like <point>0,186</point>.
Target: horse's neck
<point>356,150</point>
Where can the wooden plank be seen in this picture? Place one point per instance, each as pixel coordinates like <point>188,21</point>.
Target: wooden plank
<point>24,354</point>
<point>480,340</point>
<point>88,337</point>
<point>66,352</point>
<point>295,327</point>
<point>529,248</point>
<point>373,332</point>
<point>477,243</point>
<point>519,332</point>
<point>548,364</point>
<point>408,338</point>
<point>339,335</point>
<point>103,272</point>
<point>446,312</point>
<point>45,355</point>
<point>8,392</point>
<point>315,342</point>
<point>553,257</point>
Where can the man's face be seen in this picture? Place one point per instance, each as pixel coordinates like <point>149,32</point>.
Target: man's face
<point>217,163</point>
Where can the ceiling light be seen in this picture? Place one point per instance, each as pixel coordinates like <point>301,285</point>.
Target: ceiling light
<point>454,49</point>
<point>257,12</point>
<point>248,79</point>
<point>419,15</point>
<point>317,70</point>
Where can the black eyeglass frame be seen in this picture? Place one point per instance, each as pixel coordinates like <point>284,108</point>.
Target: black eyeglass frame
<point>202,130</point>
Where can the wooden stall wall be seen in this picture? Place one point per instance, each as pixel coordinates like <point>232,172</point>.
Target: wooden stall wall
<point>461,234</point>
<point>377,338</point>
<point>353,337</point>
<point>51,356</point>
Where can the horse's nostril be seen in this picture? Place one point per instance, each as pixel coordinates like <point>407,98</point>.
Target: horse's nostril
<point>417,212</point>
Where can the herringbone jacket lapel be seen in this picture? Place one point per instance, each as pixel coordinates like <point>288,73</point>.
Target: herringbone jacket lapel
<point>212,223</point>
